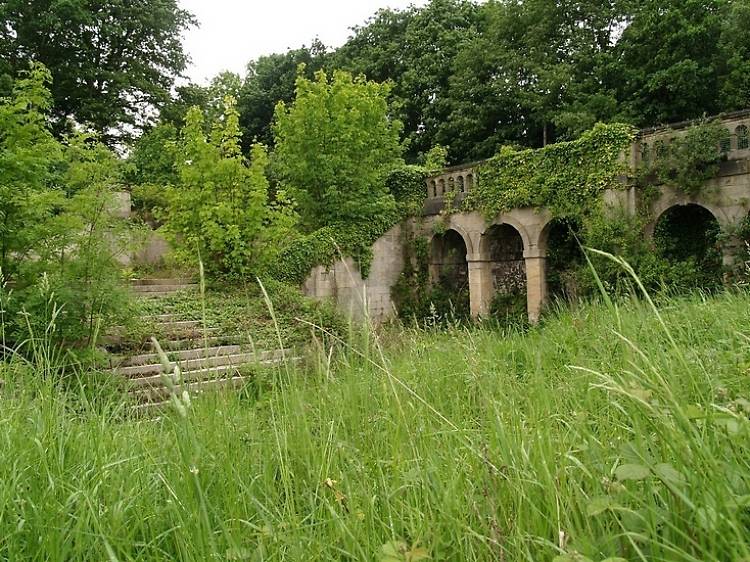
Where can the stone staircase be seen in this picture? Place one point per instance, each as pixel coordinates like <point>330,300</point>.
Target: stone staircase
<point>208,359</point>
<point>161,287</point>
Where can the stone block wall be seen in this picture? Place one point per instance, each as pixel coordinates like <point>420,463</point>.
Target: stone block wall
<point>362,298</point>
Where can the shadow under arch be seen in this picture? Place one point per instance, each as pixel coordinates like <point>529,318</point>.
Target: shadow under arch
<point>686,236</point>
<point>502,249</point>
<point>560,238</point>
<point>449,275</point>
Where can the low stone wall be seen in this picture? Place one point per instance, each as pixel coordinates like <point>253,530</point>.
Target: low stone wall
<point>362,298</point>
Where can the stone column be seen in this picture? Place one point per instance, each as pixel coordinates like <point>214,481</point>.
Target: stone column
<point>734,254</point>
<point>481,286</point>
<point>536,280</point>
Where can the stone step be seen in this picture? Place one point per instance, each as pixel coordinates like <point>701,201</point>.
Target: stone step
<point>163,318</point>
<point>158,289</point>
<point>146,282</point>
<point>211,341</point>
<point>181,337</point>
<point>162,393</point>
<point>156,294</point>
<point>174,325</point>
<point>184,355</point>
<point>155,401</point>
<point>199,363</point>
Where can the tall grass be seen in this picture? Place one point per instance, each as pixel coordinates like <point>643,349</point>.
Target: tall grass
<point>598,435</point>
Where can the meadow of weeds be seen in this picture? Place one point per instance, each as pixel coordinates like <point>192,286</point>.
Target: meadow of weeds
<point>603,434</point>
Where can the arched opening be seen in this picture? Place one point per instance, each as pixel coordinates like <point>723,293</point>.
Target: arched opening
<point>564,258</point>
<point>449,273</point>
<point>743,137</point>
<point>502,246</point>
<point>687,238</point>
<point>461,185</point>
<point>725,141</point>
<point>645,153</point>
<point>433,189</point>
<point>441,187</point>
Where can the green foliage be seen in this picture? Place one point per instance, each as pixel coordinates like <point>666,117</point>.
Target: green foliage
<point>325,245</point>
<point>334,146</point>
<point>219,208</point>
<point>29,156</point>
<point>269,80</point>
<point>681,59</point>
<point>415,48</point>
<point>153,158</point>
<point>566,178</point>
<point>406,184</point>
<point>59,238</point>
<point>112,61</point>
<point>641,436</point>
<point>686,161</point>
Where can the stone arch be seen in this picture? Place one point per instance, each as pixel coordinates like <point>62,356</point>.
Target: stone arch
<point>449,268</point>
<point>559,239</point>
<point>725,141</point>
<point>433,189</point>
<point>518,225</point>
<point>743,137</point>
<point>469,182</point>
<point>441,187</point>
<point>667,202</point>
<point>689,233</point>
<point>461,184</point>
<point>502,248</point>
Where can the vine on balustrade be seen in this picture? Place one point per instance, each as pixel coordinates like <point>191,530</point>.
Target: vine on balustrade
<point>684,162</point>
<point>565,178</point>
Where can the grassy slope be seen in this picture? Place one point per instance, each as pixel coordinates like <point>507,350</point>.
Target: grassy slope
<point>472,445</point>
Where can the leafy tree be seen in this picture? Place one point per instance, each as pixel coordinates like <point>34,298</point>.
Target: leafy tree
<point>533,75</point>
<point>415,49</point>
<point>269,80</point>
<point>334,146</point>
<point>58,236</point>
<point>112,61</point>
<point>153,158</point>
<point>219,207</point>
<point>29,155</point>
<point>209,98</point>
<point>680,59</point>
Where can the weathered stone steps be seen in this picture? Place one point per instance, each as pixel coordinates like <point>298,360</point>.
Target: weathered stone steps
<point>199,363</point>
<point>177,356</point>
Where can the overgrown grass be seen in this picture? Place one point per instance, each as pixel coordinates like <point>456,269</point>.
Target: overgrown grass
<point>601,434</point>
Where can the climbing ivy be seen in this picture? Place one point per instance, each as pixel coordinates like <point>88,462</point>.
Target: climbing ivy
<point>565,178</point>
<point>325,245</point>
<point>685,161</point>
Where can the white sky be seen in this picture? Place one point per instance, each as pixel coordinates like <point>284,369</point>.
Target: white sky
<point>234,32</point>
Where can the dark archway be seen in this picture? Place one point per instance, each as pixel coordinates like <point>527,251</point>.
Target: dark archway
<point>687,237</point>
<point>449,273</point>
<point>564,258</point>
<point>502,246</point>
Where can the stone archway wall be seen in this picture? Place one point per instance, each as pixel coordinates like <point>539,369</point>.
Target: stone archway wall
<point>726,198</point>
<point>362,298</point>
<point>448,264</point>
<point>529,224</point>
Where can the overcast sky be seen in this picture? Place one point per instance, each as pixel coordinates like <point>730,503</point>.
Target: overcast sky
<point>233,32</point>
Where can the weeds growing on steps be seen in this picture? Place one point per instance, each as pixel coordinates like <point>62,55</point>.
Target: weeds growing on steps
<point>613,432</point>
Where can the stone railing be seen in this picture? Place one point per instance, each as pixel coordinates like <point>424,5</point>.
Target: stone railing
<point>455,180</point>
<point>734,145</point>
